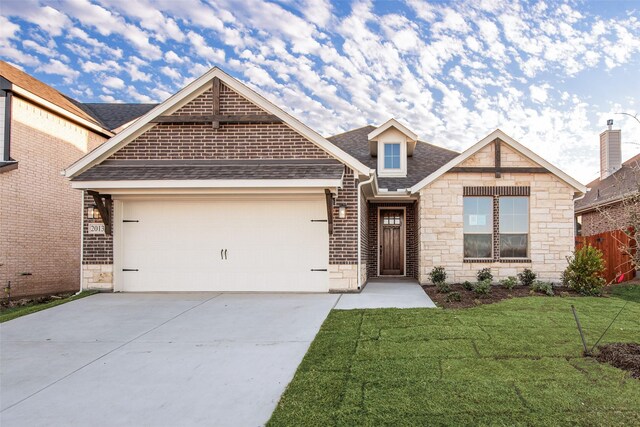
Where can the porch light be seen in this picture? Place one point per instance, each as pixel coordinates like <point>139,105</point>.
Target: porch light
<point>93,212</point>
<point>342,211</point>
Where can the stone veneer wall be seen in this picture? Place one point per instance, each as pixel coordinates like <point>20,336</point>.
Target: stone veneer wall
<point>551,235</point>
<point>39,211</point>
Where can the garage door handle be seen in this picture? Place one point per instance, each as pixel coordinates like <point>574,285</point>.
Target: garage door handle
<point>221,253</point>
<point>225,254</point>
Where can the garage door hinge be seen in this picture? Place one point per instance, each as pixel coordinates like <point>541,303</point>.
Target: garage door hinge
<point>130,220</point>
<point>318,220</point>
<point>318,269</point>
<point>129,269</point>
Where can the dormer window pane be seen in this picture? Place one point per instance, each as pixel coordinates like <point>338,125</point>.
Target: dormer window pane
<point>392,156</point>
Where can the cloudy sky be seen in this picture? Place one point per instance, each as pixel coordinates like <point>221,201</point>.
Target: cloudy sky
<point>547,73</point>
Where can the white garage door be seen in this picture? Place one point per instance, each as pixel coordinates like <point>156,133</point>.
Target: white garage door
<point>224,245</point>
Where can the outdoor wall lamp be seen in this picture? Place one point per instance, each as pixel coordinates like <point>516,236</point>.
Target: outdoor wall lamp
<point>93,212</point>
<point>342,211</point>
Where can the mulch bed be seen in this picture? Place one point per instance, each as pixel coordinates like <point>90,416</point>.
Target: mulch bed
<point>21,302</point>
<point>621,355</point>
<point>498,293</point>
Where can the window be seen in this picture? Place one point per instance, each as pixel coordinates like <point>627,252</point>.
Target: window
<point>514,227</point>
<point>579,225</point>
<point>392,156</point>
<point>478,227</point>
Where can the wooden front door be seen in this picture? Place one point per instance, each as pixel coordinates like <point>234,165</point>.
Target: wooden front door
<point>391,243</point>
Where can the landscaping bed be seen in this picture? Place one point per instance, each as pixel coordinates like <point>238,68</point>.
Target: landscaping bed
<point>621,355</point>
<point>469,298</point>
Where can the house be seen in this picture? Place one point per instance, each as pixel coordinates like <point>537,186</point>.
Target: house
<point>604,211</point>
<point>218,189</point>
<point>41,132</point>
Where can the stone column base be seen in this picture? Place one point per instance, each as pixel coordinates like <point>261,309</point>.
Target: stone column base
<point>97,277</point>
<point>343,277</point>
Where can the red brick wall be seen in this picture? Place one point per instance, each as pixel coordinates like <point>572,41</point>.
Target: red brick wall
<point>412,243</point>
<point>39,211</point>
<point>609,219</point>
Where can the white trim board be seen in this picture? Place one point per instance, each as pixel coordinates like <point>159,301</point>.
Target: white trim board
<point>512,143</point>
<point>211,183</point>
<point>191,91</point>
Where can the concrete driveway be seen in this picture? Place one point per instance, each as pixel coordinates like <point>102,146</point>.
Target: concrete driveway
<point>156,359</point>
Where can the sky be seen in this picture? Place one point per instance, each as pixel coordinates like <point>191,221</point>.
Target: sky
<point>549,74</point>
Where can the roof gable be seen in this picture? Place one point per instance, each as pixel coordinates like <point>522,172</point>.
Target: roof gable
<point>519,148</point>
<point>189,93</point>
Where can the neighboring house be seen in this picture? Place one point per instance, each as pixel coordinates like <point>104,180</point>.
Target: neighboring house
<point>602,213</point>
<point>218,189</point>
<point>41,132</point>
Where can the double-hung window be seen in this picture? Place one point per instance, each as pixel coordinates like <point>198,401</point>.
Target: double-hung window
<point>481,226</point>
<point>392,156</point>
<point>514,227</point>
<point>478,227</point>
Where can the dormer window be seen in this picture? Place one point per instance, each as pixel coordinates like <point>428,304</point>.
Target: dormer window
<point>392,143</point>
<point>392,155</point>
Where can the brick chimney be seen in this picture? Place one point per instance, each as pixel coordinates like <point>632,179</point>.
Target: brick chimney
<point>610,150</point>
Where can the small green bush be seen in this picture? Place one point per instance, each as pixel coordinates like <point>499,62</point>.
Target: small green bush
<point>484,274</point>
<point>482,287</point>
<point>585,270</point>
<point>509,283</point>
<point>454,296</point>
<point>443,287</point>
<point>542,287</point>
<point>438,275</point>
<point>467,285</point>
<point>527,277</point>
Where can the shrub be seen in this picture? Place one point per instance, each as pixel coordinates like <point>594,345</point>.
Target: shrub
<point>484,274</point>
<point>543,287</point>
<point>467,285</point>
<point>443,287</point>
<point>454,296</point>
<point>527,277</point>
<point>438,275</point>
<point>509,283</point>
<point>482,287</point>
<point>584,272</point>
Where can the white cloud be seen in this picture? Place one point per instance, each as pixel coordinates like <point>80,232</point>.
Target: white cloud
<point>113,82</point>
<point>59,68</point>
<point>539,93</point>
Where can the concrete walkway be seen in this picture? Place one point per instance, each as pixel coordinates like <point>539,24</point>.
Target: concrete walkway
<point>156,359</point>
<point>387,293</point>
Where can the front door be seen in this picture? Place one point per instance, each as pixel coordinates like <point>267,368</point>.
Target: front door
<point>391,243</point>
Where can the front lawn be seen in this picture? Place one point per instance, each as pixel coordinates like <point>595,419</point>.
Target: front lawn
<point>516,362</point>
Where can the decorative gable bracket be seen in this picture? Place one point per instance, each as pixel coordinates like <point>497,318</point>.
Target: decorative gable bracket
<point>104,203</point>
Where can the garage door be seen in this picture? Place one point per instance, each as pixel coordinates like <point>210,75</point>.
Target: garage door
<point>224,245</point>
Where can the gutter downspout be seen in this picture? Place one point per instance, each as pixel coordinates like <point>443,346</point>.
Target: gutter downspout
<point>82,213</point>
<point>360,185</point>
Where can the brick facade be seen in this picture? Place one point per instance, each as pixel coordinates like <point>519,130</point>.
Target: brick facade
<point>236,142</point>
<point>610,218</point>
<point>98,248</point>
<point>39,211</point>
<point>411,230</point>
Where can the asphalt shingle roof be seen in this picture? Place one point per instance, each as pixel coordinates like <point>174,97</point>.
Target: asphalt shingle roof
<point>426,158</point>
<point>621,183</point>
<point>125,170</point>
<point>114,115</point>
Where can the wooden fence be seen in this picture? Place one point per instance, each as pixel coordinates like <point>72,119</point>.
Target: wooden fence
<point>610,243</point>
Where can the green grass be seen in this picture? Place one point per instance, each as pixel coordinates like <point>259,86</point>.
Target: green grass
<point>517,362</point>
<point>7,314</point>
